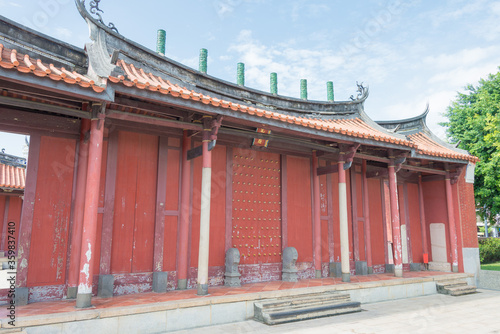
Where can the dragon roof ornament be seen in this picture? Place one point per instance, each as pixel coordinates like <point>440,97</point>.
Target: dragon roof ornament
<point>94,10</point>
<point>362,93</point>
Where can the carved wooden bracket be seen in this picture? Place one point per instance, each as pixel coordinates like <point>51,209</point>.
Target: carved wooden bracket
<point>211,127</point>
<point>347,153</point>
<point>455,174</point>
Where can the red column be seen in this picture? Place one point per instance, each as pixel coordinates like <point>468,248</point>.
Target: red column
<point>316,217</point>
<point>206,186</point>
<point>366,214</point>
<point>87,256</point>
<point>343,223</point>
<point>425,246</point>
<point>182,264</point>
<point>76,233</point>
<point>451,223</point>
<point>396,233</point>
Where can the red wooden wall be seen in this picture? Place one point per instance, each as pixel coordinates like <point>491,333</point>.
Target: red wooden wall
<point>170,231</point>
<point>325,202</point>
<point>102,187</point>
<point>135,198</point>
<point>10,211</point>
<point>436,209</point>
<point>376,221</point>
<point>299,210</point>
<point>48,248</point>
<point>415,225</point>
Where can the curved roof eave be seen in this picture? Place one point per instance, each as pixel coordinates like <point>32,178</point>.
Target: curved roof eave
<point>417,124</point>
<point>161,65</point>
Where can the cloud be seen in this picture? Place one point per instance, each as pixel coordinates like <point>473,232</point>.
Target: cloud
<point>317,66</point>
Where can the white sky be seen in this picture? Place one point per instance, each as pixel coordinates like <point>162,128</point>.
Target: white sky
<point>408,52</point>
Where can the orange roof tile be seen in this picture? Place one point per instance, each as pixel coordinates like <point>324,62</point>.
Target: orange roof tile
<point>427,146</point>
<point>11,59</point>
<point>350,127</point>
<point>12,177</point>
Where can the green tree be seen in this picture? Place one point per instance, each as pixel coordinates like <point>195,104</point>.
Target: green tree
<point>474,121</point>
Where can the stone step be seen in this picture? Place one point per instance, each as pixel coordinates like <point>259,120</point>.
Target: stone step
<point>455,287</point>
<point>301,300</point>
<point>462,290</point>
<point>310,306</point>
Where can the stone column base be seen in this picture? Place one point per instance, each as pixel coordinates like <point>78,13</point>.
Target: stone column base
<point>335,269</point>
<point>182,284</point>
<point>370,270</point>
<point>71,292</point>
<point>21,297</point>
<point>361,268</point>
<point>105,286</point>
<point>415,266</point>
<point>160,280</point>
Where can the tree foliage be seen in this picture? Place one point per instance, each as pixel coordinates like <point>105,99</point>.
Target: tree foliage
<point>474,121</point>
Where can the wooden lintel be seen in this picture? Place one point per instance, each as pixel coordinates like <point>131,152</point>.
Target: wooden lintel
<point>377,173</point>
<point>372,157</point>
<point>423,169</point>
<point>32,105</point>
<point>164,110</point>
<point>153,121</point>
<point>328,169</point>
<point>429,178</point>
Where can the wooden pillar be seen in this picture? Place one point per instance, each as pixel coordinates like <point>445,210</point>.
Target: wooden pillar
<point>206,184</point>
<point>451,223</point>
<point>396,233</point>
<point>421,207</point>
<point>23,244</point>
<point>76,232</point>
<point>182,264</point>
<point>87,253</point>
<point>344,229</point>
<point>366,214</point>
<point>316,217</point>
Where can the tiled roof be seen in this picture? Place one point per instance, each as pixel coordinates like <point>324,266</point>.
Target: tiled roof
<point>350,127</point>
<point>136,77</point>
<point>12,178</point>
<point>427,146</point>
<point>10,58</point>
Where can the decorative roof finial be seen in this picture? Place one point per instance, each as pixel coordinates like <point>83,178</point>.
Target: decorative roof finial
<point>95,10</point>
<point>362,92</point>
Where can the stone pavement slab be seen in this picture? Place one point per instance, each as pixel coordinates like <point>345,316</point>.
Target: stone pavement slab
<point>475,313</point>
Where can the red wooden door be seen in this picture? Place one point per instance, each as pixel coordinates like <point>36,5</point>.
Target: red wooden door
<point>257,206</point>
<point>135,197</point>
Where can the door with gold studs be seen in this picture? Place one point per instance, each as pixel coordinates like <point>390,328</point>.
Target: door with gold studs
<point>256,215</point>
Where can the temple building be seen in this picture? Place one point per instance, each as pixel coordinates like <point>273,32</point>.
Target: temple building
<point>143,173</point>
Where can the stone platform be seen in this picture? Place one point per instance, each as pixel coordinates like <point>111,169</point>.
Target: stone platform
<point>175,310</point>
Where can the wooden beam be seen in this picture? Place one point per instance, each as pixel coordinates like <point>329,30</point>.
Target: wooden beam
<point>164,110</point>
<point>32,105</point>
<point>429,178</point>
<point>153,120</point>
<point>424,169</point>
<point>328,169</point>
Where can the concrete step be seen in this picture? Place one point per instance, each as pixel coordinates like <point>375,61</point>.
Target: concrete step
<point>455,287</point>
<point>310,306</point>
<point>462,290</point>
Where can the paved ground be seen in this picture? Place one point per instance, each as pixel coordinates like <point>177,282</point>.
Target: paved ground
<point>477,313</point>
